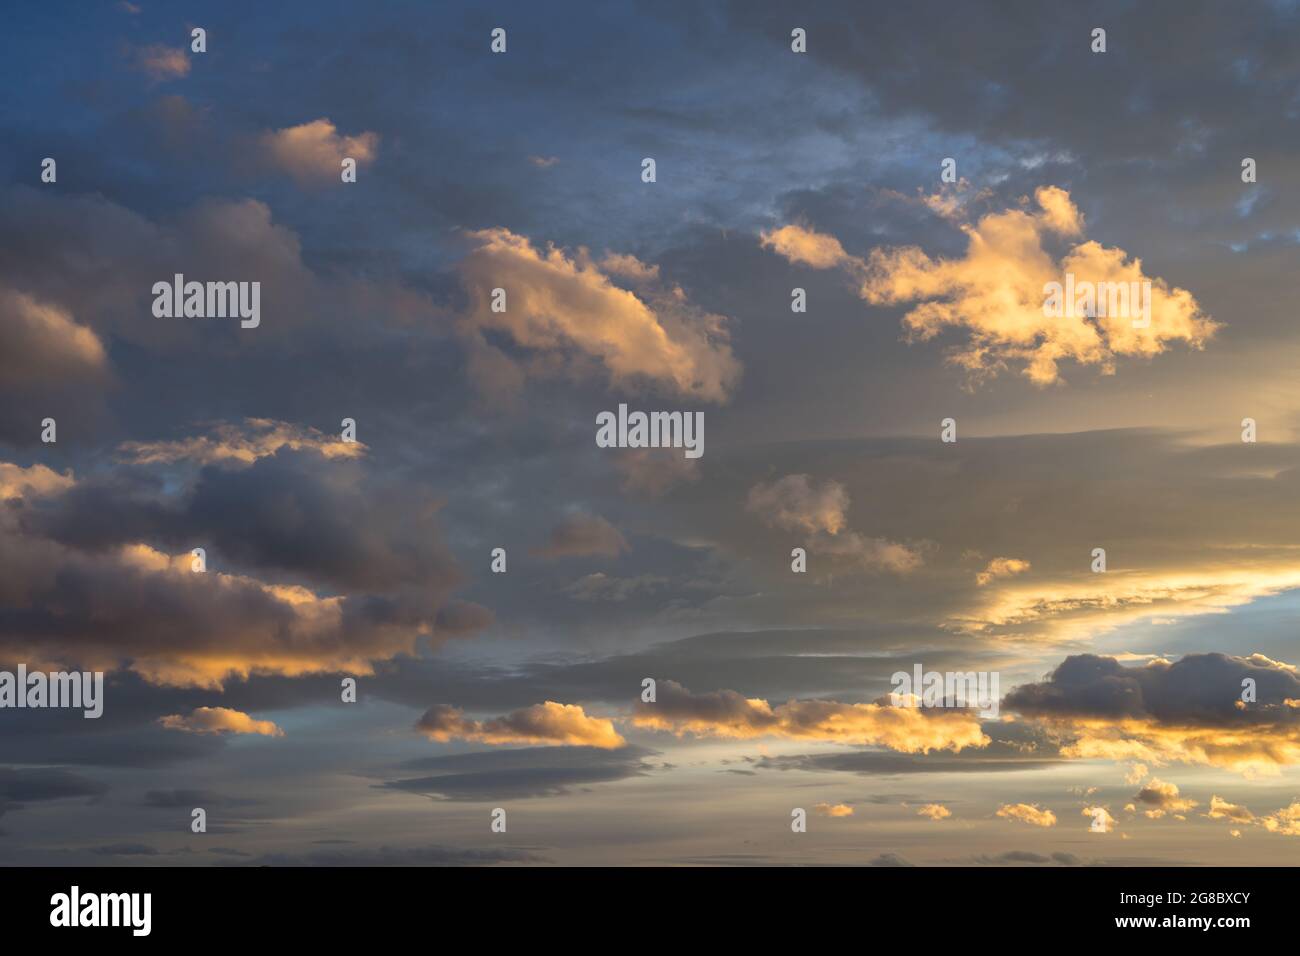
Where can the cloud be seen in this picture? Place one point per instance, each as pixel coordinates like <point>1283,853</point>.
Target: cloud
<point>1221,809</point>
<point>806,247</point>
<point>1001,568</point>
<point>41,343</point>
<point>34,481</point>
<point>314,565</point>
<point>1162,712</point>
<point>1025,856</point>
<point>599,586</point>
<point>833,810</point>
<point>996,293</point>
<point>1099,814</point>
<point>313,152</point>
<point>1162,798</point>
<point>50,365</point>
<point>796,503</point>
<point>242,444</point>
<point>162,62</point>
<point>726,714</point>
<point>889,860</point>
<point>654,471</point>
<point>566,313</point>
<point>21,785</point>
<point>397,856</point>
<point>1027,813</point>
<point>934,811</point>
<point>547,723</point>
<point>520,773</point>
<point>220,720</point>
<point>581,534</point>
<point>1285,821</point>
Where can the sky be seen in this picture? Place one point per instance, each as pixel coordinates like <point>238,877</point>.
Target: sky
<point>436,620</point>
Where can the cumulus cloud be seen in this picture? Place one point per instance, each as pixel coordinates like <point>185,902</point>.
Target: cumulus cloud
<point>313,152</point>
<point>806,247</point>
<point>833,809</point>
<point>1001,568</point>
<point>312,567</point>
<point>546,723</point>
<point>1221,809</point>
<point>934,811</point>
<point>1162,798</point>
<point>31,482</point>
<point>797,503</point>
<point>582,534</point>
<point>1102,821</point>
<point>1029,813</point>
<point>41,343</point>
<point>567,313</point>
<point>996,292</point>
<point>726,714</point>
<point>1189,711</point>
<point>220,720</point>
<point>50,365</point>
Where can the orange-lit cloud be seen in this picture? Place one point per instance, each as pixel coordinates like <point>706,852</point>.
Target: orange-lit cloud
<point>1102,815</point>
<point>239,444</point>
<point>313,152</point>
<point>726,714</point>
<point>41,343</point>
<point>996,292</point>
<point>548,723</point>
<point>1162,798</point>
<point>1027,813</point>
<point>1001,568</point>
<point>568,313</point>
<point>834,810</point>
<point>34,481</point>
<point>220,720</point>
<point>934,811</point>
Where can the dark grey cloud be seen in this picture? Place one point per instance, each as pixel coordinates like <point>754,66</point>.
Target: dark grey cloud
<point>398,856</point>
<point>1197,688</point>
<point>526,772</point>
<point>20,786</point>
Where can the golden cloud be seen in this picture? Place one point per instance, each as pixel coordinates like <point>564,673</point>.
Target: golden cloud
<point>567,312</point>
<point>314,152</point>
<point>726,714</point>
<point>548,724</point>
<point>1029,813</point>
<point>220,720</point>
<point>997,292</point>
<point>1001,568</point>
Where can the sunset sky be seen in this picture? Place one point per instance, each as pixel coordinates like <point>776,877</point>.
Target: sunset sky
<point>1120,690</point>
